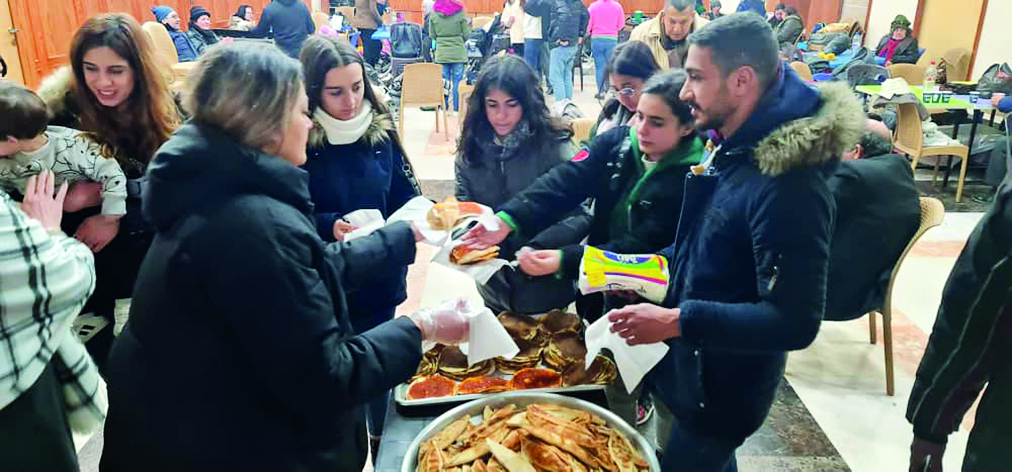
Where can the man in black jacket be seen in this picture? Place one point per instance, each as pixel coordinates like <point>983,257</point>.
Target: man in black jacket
<point>970,346</point>
<point>568,26</point>
<point>877,212</point>
<point>291,23</point>
<point>751,253</point>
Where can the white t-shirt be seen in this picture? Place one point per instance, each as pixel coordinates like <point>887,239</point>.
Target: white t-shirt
<point>532,27</point>
<point>648,165</point>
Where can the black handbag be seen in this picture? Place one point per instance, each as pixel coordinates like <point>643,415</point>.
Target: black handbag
<point>405,40</point>
<point>996,79</point>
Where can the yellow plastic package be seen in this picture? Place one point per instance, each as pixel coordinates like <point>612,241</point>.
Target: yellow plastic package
<point>646,274</point>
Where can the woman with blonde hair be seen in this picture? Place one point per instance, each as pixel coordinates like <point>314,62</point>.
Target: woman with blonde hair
<point>114,91</point>
<point>355,161</point>
<point>271,375</point>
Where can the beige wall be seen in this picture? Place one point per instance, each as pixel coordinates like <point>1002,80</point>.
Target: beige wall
<point>948,24</point>
<point>996,37</point>
<point>856,9</point>
<point>882,13</point>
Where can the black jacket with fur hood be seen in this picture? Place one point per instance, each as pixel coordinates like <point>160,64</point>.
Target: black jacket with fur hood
<point>750,260</point>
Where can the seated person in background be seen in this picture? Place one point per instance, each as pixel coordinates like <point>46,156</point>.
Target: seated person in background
<point>877,212</point>
<point>628,69</point>
<point>775,18</point>
<point>242,19</point>
<point>200,32</point>
<point>168,17</point>
<point>999,167</point>
<point>666,33</point>
<point>899,46</point>
<point>29,147</point>
<point>789,28</point>
<point>714,10</point>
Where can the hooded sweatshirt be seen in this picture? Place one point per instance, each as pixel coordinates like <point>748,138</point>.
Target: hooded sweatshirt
<point>291,23</point>
<point>448,25</point>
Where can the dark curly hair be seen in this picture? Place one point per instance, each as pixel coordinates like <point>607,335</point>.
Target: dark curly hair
<point>515,78</point>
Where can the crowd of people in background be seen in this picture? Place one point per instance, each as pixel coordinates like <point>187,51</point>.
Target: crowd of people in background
<point>220,212</point>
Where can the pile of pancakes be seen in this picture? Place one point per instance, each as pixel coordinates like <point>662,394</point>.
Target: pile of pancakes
<point>554,341</point>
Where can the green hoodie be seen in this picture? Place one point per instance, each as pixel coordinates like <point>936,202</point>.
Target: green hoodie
<point>450,33</point>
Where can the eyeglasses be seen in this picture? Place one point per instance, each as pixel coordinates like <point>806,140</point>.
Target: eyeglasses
<point>626,92</point>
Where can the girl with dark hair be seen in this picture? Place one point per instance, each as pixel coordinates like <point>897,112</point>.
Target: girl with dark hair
<point>114,91</point>
<point>242,19</point>
<point>355,161</point>
<point>634,174</point>
<point>508,140</point>
<point>629,68</point>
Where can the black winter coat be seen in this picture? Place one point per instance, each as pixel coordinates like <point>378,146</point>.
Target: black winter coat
<point>750,259</point>
<point>372,173</point>
<point>971,341</point>
<point>878,210</point>
<point>607,172</point>
<point>906,53</point>
<point>239,353</point>
<point>569,22</point>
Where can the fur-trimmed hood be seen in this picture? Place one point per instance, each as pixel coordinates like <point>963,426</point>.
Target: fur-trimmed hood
<point>378,131</point>
<point>796,125</point>
<point>54,89</point>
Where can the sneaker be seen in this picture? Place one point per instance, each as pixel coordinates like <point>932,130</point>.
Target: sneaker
<point>644,410</point>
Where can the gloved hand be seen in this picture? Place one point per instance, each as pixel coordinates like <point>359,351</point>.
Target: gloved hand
<point>921,450</point>
<point>448,323</point>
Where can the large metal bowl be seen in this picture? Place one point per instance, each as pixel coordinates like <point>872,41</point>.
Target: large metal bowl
<point>476,407</point>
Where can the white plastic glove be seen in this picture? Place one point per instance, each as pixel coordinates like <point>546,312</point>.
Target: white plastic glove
<point>449,323</point>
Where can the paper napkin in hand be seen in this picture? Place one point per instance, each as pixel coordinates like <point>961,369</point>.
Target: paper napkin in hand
<point>365,221</point>
<point>633,362</point>
<point>488,339</point>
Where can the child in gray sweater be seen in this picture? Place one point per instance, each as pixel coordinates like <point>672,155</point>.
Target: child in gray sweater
<point>28,146</point>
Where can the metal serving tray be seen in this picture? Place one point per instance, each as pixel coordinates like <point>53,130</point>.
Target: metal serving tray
<point>401,394</point>
<point>521,399</point>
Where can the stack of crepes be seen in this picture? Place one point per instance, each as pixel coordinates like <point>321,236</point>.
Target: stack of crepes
<point>447,215</point>
<point>525,332</point>
<point>542,437</point>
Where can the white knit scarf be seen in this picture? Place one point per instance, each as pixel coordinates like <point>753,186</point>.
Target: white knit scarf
<point>345,131</point>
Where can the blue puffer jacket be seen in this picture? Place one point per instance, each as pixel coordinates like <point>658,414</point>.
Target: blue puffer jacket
<point>185,49</point>
<point>749,262</point>
<point>371,173</point>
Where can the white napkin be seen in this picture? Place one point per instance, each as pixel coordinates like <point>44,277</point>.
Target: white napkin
<point>416,211</point>
<point>633,362</point>
<point>480,271</point>
<point>487,339</point>
<point>366,221</point>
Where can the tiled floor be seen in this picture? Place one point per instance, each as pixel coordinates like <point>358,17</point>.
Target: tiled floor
<point>833,412</point>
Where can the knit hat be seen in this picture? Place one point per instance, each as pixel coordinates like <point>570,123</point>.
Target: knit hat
<point>900,22</point>
<point>715,4</point>
<point>161,12</point>
<point>197,12</point>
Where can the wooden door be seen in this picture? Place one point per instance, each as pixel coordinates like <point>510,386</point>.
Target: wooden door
<point>9,45</point>
<point>47,27</point>
<point>945,25</point>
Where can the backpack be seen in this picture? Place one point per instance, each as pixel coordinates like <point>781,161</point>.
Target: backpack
<point>996,79</point>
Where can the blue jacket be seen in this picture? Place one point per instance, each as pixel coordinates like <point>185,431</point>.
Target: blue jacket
<point>750,258</point>
<point>1005,105</point>
<point>291,23</point>
<point>184,48</point>
<point>753,5</point>
<point>369,174</point>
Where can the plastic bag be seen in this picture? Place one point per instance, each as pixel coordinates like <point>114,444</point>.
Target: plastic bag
<point>646,274</point>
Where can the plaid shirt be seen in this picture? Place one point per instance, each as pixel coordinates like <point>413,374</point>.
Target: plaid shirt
<point>45,280</point>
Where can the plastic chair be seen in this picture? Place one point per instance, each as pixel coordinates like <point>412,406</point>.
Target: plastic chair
<point>909,140</point>
<point>320,19</point>
<point>802,70</point>
<point>422,86</point>
<point>932,214</point>
<point>957,64</point>
<point>912,73</point>
<point>347,12</point>
<point>866,74</point>
<point>175,71</point>
<point>581,128</point>
<point>464,90</point>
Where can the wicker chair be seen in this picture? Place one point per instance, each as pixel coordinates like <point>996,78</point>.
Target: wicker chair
<point>581,129</point>
<point>932,214</point>
<point>422,87</point>
<point>480,22</point>
<point>320,19</point>
<point>165,50</point>
<point>909,140</point>
<point>957,64</point>
<point>347,12</point>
